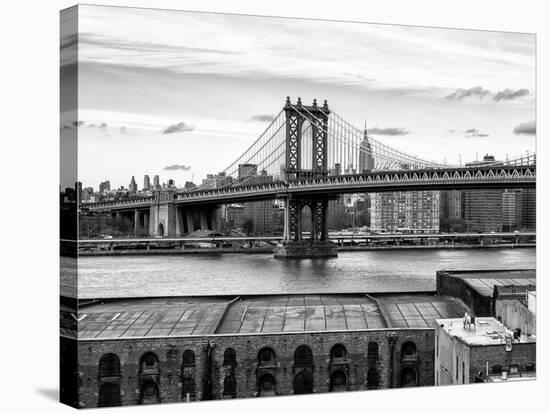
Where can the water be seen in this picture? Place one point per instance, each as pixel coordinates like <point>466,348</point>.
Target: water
<point>238,274</point>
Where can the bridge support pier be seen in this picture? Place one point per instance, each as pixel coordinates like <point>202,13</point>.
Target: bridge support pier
<point>293,245</point>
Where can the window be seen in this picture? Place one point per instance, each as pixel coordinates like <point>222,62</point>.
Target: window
<point>109,395</point>
<point>266,385</point>
<point>408,377</point>
<point>530,367</point>
<point>514,369</point>
<point>188,358</point>
<point>463,372</point>
<point>338,381</point>
<point>149,363</point>
<point>373,379</point>
<point>408,351</point>
<point>372,350</point>
<point>266,356</point>
<point>230,357</point>
<point>230,386</point>
<point>338,353</point>
<point>149,393</point>
<point>303,357</point>
<point>456,365</point>
<point>188,388</point>
<point>496,369</point>
<point>109,366</point>
<point>303,383</point>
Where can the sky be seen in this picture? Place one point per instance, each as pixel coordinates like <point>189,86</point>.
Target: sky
<point>183,94</point>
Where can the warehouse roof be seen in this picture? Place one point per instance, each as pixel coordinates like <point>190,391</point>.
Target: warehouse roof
<point>173,317</point>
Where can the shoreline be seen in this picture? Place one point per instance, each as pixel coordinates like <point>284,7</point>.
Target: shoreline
<point>267,250</point>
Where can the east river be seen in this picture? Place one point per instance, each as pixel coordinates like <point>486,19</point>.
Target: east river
<point>240,274</point>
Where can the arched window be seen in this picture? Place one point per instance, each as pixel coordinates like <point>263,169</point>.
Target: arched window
<point>303,383</point>
<point>188,388</point>
<point>230,386</point>
<point>408,351</point>
<point>338,381</point>
<point>372,350</point>
<point>109,394</point>
<point>266,385</point>
<point>266,356</point>
<point>188,358</point>
<point>408,377</point>
<point>109,366</point>
<point>149,363</point>
<point>338,353</point>
<point>230,357</point>
<point>373,379</point>
<point>150,393</point>
<point>303,357</point>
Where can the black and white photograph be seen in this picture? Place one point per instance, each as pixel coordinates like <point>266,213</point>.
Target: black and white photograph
<point>259,206</point>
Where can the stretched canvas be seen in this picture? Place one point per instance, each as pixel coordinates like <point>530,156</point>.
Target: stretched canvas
<point>264,206</point>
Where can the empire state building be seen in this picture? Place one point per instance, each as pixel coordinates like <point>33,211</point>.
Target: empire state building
<point>366,160</point>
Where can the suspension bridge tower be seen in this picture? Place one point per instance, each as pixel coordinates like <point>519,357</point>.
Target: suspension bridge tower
<point>302,162</point>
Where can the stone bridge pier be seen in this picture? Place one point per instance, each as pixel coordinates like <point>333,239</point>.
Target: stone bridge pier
<point>169,219</point>
<point>293,244</point>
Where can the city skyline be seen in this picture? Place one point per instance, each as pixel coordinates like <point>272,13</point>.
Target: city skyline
<point>163,98</point>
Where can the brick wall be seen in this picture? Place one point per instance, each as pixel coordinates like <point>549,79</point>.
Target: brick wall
<point>247,372</point>
<point>521,354</point>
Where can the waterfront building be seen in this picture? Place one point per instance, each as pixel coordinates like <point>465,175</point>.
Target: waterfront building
<point>511,210</point>
<point>405,212</point>
<point>253,346</point>
<point>496,341</point>
<point>483,210</point>
<point>233,215</point>
<point>529,209</point>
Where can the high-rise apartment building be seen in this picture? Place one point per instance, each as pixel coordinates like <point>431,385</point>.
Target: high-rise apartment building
<point>405,212</point>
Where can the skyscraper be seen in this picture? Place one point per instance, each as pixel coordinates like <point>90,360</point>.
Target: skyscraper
<point>366,160</point>
<point>133,186</point>
<point>146,183</point>
<point>156,182</point>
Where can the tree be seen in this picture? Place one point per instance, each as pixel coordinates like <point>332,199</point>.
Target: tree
<point>247,225</point>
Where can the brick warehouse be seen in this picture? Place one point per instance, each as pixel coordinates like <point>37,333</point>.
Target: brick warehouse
<point>160,350</point>
<point>249,347</point>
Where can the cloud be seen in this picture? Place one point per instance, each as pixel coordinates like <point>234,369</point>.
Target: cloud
<point>263,118</point>
<point>526,128</point>
<point>122,129</point>
<point>476,91</point>
<point>177,167</point>
<point>470,133</point>
<point>508,94</point>
<point>179,127</point>
<point>387,131</point>
<point>101,125</point>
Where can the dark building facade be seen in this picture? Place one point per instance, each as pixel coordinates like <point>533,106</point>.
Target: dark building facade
<point>253,347</point>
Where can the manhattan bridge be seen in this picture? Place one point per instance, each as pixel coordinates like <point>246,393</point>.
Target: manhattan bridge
<point>308,155</point>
